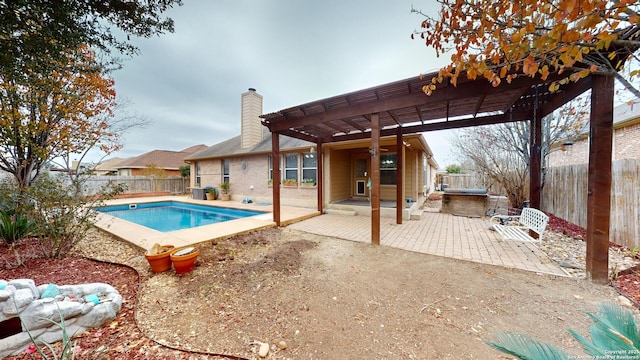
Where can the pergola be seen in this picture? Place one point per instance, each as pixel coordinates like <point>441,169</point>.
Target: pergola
<point>401,107</point>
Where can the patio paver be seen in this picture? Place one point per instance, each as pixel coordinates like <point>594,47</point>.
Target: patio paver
<point>438,234</point>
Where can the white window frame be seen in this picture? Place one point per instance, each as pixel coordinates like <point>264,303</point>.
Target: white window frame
<point>226,176</point>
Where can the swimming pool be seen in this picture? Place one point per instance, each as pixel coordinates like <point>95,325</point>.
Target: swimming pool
<point>166,216</point>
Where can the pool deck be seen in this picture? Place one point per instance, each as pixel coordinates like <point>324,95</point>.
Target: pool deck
<point>144,237</point>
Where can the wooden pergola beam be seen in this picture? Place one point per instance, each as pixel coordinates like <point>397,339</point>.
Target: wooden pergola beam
<point>375,179</point>
<point>566,95</point>
<point>599,182</point>
<point>275,174</point>
<point>399,175</point>
<point>320,176</point>
<point>467,89</point>
<point>298,135</point>
<point>442,125</point>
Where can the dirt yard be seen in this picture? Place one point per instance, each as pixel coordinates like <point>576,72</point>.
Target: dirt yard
<point>335,299</point>
<point>312,297</point>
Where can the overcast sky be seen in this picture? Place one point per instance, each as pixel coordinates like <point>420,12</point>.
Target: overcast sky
<point>188,84</point>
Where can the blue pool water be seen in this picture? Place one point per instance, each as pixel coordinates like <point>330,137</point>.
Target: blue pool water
<point>168,216</point>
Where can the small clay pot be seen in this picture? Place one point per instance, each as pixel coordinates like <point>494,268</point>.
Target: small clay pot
<point>160,262</point>
<point>184,259</point>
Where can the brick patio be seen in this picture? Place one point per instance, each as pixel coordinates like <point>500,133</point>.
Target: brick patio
<point>438,234</point>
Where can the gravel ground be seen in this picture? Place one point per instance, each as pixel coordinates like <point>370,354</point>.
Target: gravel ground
<point>570,254</point>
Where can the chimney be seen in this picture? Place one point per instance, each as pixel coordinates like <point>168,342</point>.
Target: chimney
<point>252,129</point>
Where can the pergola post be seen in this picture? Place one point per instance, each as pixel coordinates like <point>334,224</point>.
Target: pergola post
<point>375,179</point>
<point>275,181</point>
<point>399,175</point>
<point>599,182</point>
<point>320,176</point>
<point>535,160</point>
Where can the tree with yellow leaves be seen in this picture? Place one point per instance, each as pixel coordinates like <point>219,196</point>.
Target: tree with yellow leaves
<point>500,40</point>
<point>54,114</point>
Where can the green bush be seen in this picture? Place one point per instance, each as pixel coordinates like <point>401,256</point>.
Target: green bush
<point>14,227</point>
<point>614,335</point>
<point>454,169</point>
<point>15,224</point>
<point>63,216</point>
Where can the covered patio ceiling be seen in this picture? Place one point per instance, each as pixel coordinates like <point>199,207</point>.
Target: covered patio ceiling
<point>404,104</point>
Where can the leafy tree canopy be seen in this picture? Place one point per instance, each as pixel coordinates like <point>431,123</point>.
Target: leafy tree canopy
<point>59,113</point>
<point>502,39</point>
<point>185,170</point>
<point>454,169</point>
<point>34,34</point>
<point>55,97</point>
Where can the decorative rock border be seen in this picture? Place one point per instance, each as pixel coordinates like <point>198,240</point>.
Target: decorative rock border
<point>42,308</point>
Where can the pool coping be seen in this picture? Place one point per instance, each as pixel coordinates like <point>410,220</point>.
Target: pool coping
<point>144,237</point>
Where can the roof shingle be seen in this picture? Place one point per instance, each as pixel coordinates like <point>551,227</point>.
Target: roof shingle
<point>232,147</point>
<point>165,159</point>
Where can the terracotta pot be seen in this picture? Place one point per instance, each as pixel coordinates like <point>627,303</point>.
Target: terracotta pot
<point>184,259</point>
<point>160,262</point>
<point>225,197</point>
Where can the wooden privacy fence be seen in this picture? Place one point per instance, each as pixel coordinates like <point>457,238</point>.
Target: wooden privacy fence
<point>461,181</point>
<point>138,184</point>
<point>471,181</point>
<point>565,195</point>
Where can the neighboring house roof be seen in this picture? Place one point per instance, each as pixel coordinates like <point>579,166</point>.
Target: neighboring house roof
<point>108,165</point>
<point>232,147</point>
<point>626,114</point>
<point>165,159</point>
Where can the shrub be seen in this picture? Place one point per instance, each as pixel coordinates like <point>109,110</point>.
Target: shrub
<point>454,169</point>
<point>14,227</point>
<point>614,335</point>
<point>63,216</point>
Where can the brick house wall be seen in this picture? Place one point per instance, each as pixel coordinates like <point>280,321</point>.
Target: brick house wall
<point>627,142</point>
<point>626,145</point>
<point>578,153</point>
<point>248,176</point>
<point>626,139</point>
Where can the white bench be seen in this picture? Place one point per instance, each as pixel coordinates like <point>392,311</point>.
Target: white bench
<point>518,229</point>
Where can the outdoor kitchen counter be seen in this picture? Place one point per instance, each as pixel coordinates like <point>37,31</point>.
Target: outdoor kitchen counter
<point>464,202</point>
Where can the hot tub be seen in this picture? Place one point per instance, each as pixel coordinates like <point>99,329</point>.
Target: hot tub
<point>465,202</point>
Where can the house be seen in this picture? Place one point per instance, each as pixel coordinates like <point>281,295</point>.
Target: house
<point>165,161</point>
<point>108,167</point>
<point>626,139</point>
<point>245,162</point>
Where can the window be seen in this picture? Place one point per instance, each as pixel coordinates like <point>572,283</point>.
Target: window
<point>291,167</point>
<point>425,164</point>
<point>225,171</point>
<point>198,178</point>
<point>270,167</point>
<point>309,168</point>
<point>388,169</point>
